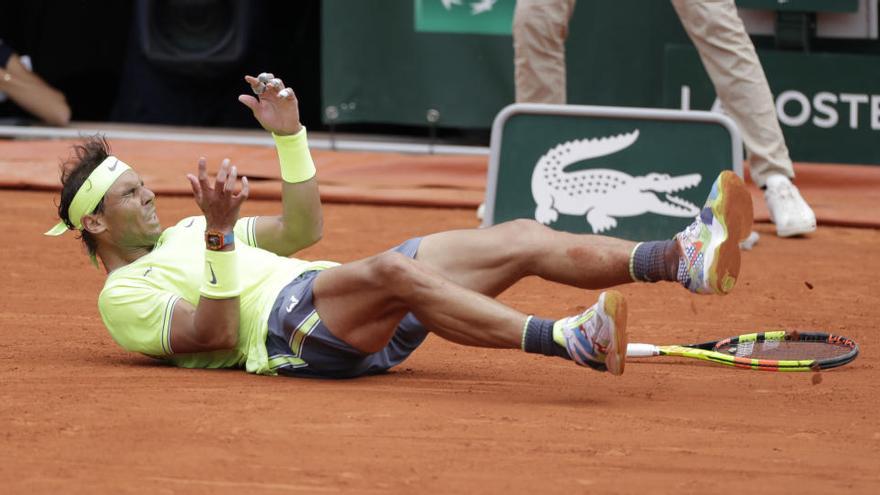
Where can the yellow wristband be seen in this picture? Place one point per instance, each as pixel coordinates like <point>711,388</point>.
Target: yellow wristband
<point>221,275</point>
<point>293,154</point>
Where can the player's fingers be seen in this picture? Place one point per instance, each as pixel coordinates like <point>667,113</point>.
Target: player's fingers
<point>245,190</point>
<point>259,84</point>
<point>220,180</point>
<point>275,83</point>
<point>230,179</point>
<point>196,187</point>
<point>286,94</point>
<point>203,173</point>
<point>272,88</point>
<point>249,101</point>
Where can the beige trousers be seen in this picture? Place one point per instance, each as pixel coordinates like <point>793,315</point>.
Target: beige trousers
<point>729,57</point>
<point>540,28</point>
<point>539,31</point>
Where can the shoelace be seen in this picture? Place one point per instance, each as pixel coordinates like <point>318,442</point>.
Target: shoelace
<point>691,233</point>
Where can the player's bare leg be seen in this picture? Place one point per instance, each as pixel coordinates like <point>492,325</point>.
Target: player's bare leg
<point>491,260</point>
<point>362,303</point>
<point>704,257</point>
<point>446,287</point>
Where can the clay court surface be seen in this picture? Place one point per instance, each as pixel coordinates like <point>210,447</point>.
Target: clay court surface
<point>79,415</point>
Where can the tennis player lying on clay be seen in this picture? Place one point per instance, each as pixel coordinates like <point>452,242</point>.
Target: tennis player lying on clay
<point>218,291</point>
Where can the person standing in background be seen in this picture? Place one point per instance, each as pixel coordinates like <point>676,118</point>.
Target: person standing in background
<point>540,28</point>
<point>28,91</point>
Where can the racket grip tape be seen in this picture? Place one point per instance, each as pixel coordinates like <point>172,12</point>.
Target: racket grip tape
<point>642,350</point>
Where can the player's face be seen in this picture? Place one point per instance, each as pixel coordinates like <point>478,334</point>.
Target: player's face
<point>130,212</point>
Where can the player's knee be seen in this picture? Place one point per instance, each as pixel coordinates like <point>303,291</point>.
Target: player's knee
<point>519,243</point>
<point>523,233</point>
<point>527,225</point>
<point>394,270</point>
<point>403,277</point>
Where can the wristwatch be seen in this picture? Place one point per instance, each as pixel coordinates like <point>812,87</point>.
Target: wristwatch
<point>215,240</point>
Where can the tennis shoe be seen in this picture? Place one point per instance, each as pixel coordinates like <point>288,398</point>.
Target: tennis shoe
<point>788,210</point>
<point>597,338</point>
<point>710,259</point>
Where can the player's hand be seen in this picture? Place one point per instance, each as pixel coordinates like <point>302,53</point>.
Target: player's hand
<point>218,200</point>
<point>275,107</point>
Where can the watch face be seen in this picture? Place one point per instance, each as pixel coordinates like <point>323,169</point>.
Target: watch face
<point>216,240</point>
<point>213,241</point>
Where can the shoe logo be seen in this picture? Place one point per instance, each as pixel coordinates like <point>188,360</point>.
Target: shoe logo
<point>113,167</point>
<point>293,302</point>
<point>213,280</point>
<point>191,221</point>
<point>603,194</point>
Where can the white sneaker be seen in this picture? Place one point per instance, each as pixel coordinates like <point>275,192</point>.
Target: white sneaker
<point>788,210</point>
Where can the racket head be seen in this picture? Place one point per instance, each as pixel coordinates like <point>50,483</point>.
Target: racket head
<point>784,350</point>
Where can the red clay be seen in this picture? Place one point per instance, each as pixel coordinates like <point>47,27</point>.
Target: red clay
<point>841,195</point>
<point>79,415</point>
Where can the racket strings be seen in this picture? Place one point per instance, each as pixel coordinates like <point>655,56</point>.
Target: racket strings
<point>784,350</point>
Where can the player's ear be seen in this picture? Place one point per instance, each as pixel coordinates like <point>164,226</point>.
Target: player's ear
<point>94,223</point>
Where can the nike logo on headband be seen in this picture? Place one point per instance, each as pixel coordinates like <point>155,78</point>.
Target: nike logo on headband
<point>113,167</point>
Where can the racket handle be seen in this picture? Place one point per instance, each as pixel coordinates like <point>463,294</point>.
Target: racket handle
<point>642,350</point>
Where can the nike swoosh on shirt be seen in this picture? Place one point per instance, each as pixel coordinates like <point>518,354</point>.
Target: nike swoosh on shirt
<point>293,302</point>
<point>191,221</point>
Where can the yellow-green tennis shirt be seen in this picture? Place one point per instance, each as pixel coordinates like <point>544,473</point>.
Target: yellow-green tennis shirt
<point>138,299</point>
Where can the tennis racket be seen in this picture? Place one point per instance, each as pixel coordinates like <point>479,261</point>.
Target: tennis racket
<point>778,350</point>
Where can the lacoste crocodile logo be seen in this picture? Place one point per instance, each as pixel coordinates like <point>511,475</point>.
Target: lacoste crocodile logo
<point>477,8</point>
<point>604,194</point>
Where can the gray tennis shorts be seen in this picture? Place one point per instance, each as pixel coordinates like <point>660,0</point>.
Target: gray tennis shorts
<point>301,334</point>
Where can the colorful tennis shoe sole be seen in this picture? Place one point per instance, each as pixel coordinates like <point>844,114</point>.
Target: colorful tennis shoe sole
<point>710,245</point>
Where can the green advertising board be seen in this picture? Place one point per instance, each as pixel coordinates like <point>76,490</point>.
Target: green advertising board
<point>464,16</point>
<point>382,61</point>
<point>801,5</point>
<point>634,173</point>
<point>828,105</point>
<point>399,61</point>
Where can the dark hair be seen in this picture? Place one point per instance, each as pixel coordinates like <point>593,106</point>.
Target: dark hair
<point>74,171</point>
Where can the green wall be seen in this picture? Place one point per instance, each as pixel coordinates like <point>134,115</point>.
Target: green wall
<point>374,61</point>
<point>377,68</point>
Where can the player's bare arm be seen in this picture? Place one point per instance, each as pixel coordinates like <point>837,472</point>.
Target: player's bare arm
<point>301,222</point>
<point>213,323</point>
